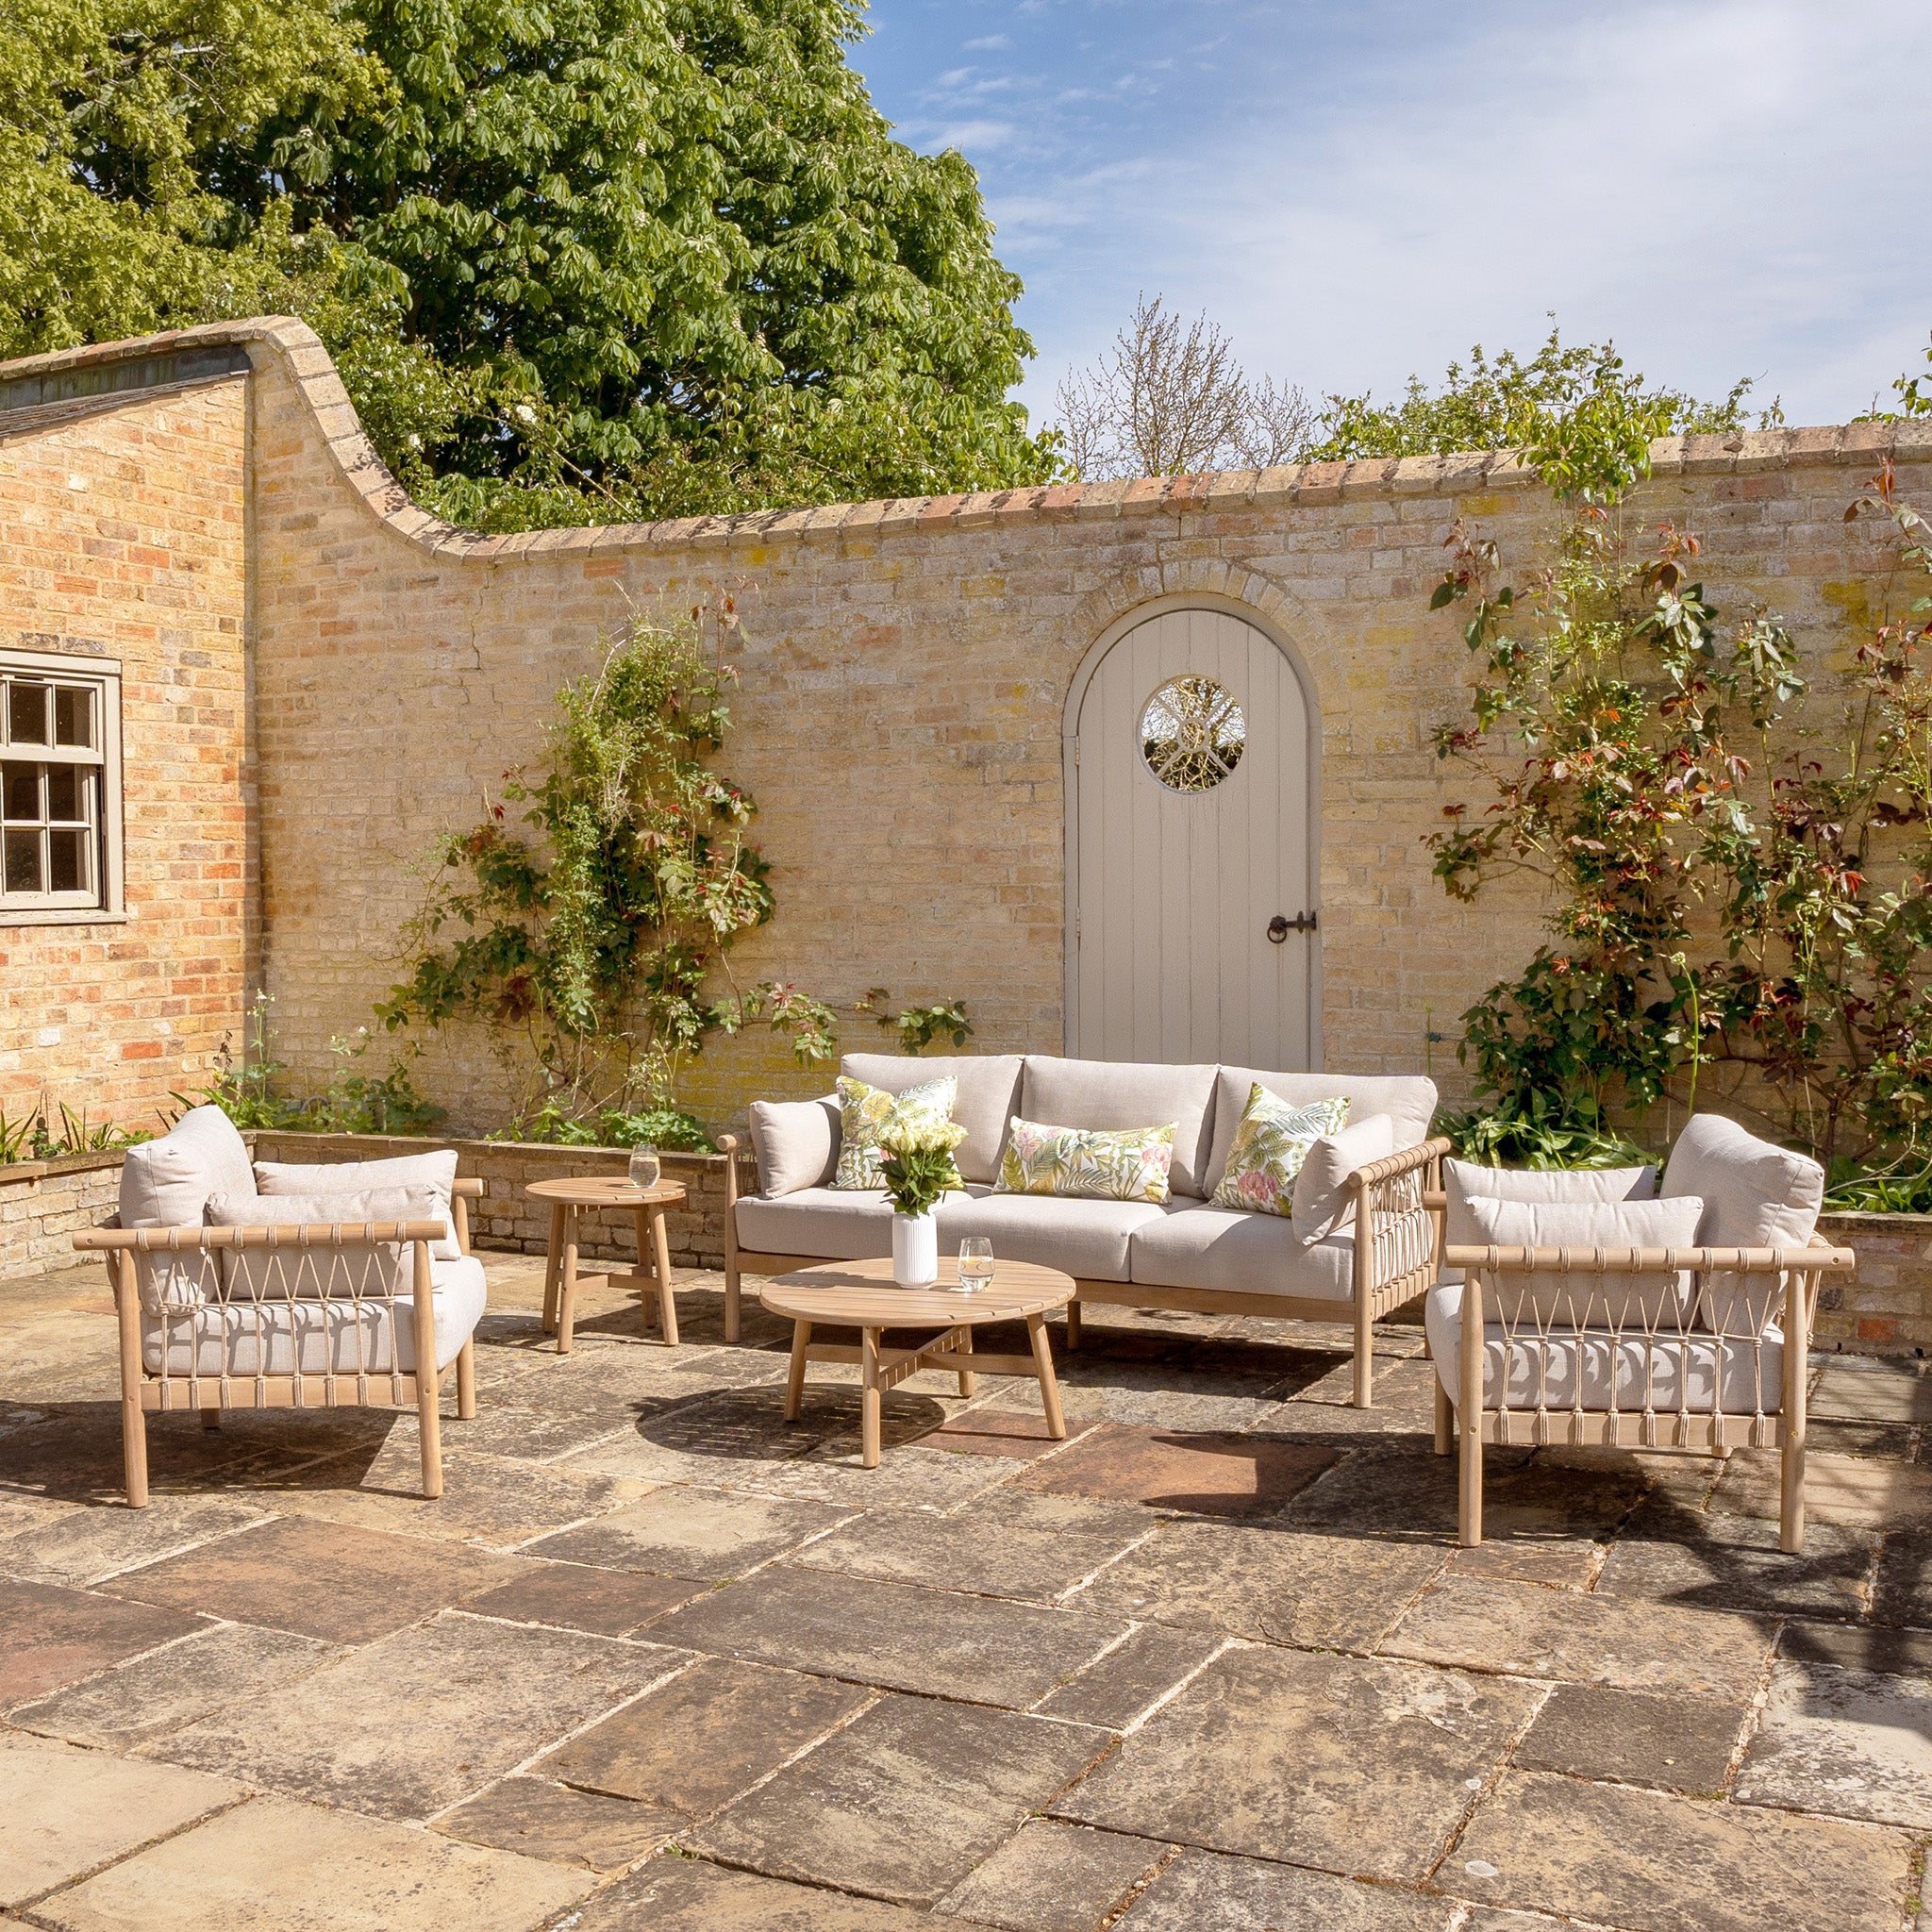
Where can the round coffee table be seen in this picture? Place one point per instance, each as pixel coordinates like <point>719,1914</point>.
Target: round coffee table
<point>863,1295</point>
<point>568,1199</point>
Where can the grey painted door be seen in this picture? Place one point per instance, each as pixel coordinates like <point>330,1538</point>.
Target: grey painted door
<point>1189,833</point>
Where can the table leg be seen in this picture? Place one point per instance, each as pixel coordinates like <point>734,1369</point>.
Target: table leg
<point>642,1217</point>
<point>869,1397</point>
<point>553,1260</point>
<point>567,1280</point>
<point>968,1380</point>
<point>667,1306</point>
<point>794,1383</point>
<point>1049,1389</point>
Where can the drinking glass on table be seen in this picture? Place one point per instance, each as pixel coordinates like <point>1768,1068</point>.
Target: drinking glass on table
<point>645,1167</point>
<point>976,1263</point>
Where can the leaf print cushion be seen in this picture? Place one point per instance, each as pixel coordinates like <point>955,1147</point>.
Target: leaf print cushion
<point>1270,1145</point>
<point>865,1111</point>
<point>1129,1164</point>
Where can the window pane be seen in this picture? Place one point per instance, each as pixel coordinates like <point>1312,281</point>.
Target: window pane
<point>20,791</point>
<point>73,714</point>
<point>67,792</point>
<point>21,870</point>
<point>26,713</point>
<point>67,861</point>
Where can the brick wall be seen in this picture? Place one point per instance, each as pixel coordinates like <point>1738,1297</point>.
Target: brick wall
<point>123,535</point>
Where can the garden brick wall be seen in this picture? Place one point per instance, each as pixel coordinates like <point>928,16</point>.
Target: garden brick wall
<point>123,535</point>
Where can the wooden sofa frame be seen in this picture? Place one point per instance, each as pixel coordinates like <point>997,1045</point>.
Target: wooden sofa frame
<point>143,1394</point>
<point>1713,1434</point>
<point>1395,1266</point>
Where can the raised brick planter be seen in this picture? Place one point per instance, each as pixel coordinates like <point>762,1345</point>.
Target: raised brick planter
<point>45,1203</point>
<point>1886,1308</point>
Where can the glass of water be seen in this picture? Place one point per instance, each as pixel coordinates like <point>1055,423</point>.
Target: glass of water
<point>645,1167</point>
<point>976,1263</point>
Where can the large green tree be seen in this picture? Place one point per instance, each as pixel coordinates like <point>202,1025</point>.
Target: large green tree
<point>578,258</point>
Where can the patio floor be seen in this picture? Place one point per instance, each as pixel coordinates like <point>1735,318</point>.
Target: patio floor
<point>659,1660</point>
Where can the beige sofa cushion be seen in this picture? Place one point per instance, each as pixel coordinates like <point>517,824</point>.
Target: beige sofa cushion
<point>167,1183</point>
<point>1124,1093</point>
<point>1580,1299</point>
<point>796,1144</point>
<point>989,1094</point>
<point>1525,1370</point>
<point>1198,1245</point>
<point>1463,1179</point>
<point>1085,1238</point>
<point>833,1223</point>
<point>322,1271</point>
<point>1407,1099</point>
<point>437,1171</point>
<point>1323,1203</point>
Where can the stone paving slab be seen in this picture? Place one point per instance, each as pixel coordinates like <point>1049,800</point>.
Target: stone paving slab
<point>299,1867</point>
<point>982,1556</point>
<point>1193,1473</point>
<point>1557,1563</point>
<point>1734,1564</point>
<point>1855,1743</point>
<point>1354,1765</point>
<point>893,1635</point>
<point>1078,1515</point>
<point>1524,1631</point>
<point>708,1535</point>
<point>913,1477</point>
<point>543,1432</point>
<point>1869,1389</point>
<point>1210,1892</point>
<point>68,1810</point>
<point>683,1895</point>
<point>711,1732</point>
<point>904,1801</point>
<point>1855,1490</point>
<point>72,1453</point>
<point>222,1664</point>
<point>1858,1647</point>
<point>989,1431</point>
<point>1676,1742</point>
<point>56,1636</point>
<point>1122,1684</point>
<point>577,1596</point>
<point>719,1438</point>
<point>550,1822</point>
<point>318,1579</point>
<point>86,1545</point>
<point>354,1733</point>
<point>1273,1585</point>
<point>1411,1493</point>
<point>1653,1862</point>
<point>1053,1878</point>
<point>1902,1592</point>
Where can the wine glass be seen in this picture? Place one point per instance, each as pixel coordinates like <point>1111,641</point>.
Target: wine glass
<point>645,1166</point>
<point>976,1263</point>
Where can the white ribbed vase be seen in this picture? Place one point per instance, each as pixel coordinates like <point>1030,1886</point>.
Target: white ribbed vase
<point>915,1250</point>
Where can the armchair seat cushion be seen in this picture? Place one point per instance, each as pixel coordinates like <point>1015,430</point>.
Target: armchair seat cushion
<point>314,1338</point>
<point>1670,1373</point>
<point>1198,1245</point>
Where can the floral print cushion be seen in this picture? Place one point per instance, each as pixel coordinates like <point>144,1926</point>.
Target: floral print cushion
<point>1087,1164</point>
<point>1270,1145</point>
<point>864,1111</point>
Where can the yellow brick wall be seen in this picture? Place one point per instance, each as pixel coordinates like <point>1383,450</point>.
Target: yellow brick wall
<point>123,535</point>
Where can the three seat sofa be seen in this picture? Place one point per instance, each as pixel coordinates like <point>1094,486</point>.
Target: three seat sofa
<point>1187,1254</point>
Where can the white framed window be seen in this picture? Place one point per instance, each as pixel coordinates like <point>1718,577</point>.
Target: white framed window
<point>60,788</point>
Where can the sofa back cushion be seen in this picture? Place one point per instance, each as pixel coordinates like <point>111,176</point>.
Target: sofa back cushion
<point>1462,1179</point>
<point>436,1172</point>
<point>1114,1094</point>
<point>1755,1196</point>
<point>1322,1204</point>
<point>168,1183</point>
<point>796,1142</point>
<point>1581,1299</point>
<point>988,1097</point>
<point>322,1271</point>
<point>1407,1099</point>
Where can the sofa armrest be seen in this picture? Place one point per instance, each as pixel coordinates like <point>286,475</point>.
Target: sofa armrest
<point>1397,1237</point>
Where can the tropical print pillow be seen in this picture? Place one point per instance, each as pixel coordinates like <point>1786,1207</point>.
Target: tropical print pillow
<point>1085,1163</point>
<point>1270,1146</point>
<point>863,1111</point>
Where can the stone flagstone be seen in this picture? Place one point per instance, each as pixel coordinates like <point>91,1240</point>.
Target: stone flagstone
<point>1856,1743</point>
<point>566,1827</point>
<point>67,1811</point>
<point>1120,1685</point>
<point>91,1543</point>
<point>1053,1878</point>
<point>904,1801</point>
<point>577,1596</point>
<point>1356,1765</point>
<point>299,1867</point>
<point>1200,1474</point>
<point>1706,1562</point>
<point>683,1895</point>
<point>55,1636</point>
<point>1209,1892</point>
<point>707,1535</point>
<point>1637,1737</point>
<point>1653,1862</point>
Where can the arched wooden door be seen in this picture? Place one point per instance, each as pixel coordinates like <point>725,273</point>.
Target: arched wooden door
<point>1189,835</point>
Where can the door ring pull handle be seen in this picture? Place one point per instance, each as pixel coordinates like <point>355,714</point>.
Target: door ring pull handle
<point>1280,926</point>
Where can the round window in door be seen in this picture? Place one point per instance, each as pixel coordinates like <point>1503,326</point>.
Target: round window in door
<point>1193,733</point>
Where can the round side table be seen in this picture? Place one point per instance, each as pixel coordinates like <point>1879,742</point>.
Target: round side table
<point>568,1199</point>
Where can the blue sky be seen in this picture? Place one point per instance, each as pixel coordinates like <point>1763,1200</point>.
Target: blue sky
<point>1726,187</point>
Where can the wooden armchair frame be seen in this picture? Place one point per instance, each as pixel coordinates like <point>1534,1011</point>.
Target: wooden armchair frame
<point>144,1392</point>
<point>1397,1262</point>
<point>1797,1275</point>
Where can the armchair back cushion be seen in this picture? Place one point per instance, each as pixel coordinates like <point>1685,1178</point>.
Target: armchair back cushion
<point>988,1097</point>
<point>436,1172</point>
<point>1755,1196</point>
<point>1408,1099</point>
<point>322,1271</point>
<point>796,1142</point>
<point>1110,1095</point>
<point>167,1183</point>
<point>1461,1179</point>
<point>1584,1299</point>
<point>1322,1204</point>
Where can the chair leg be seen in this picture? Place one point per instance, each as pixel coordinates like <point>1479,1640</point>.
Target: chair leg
<point>1791,1495</point>
<point>1072,1326</point>
<point>1364,1352</point>
<point>466,1382</point>
<point>794,1380</point>
<point>133,1418</point>
<point>211,1419</point>
<point>731,1297</point>
<point>660,1266</point>
<point>1445,1420</point>
<point>1470,1496</point>
<point>134,1452</point>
